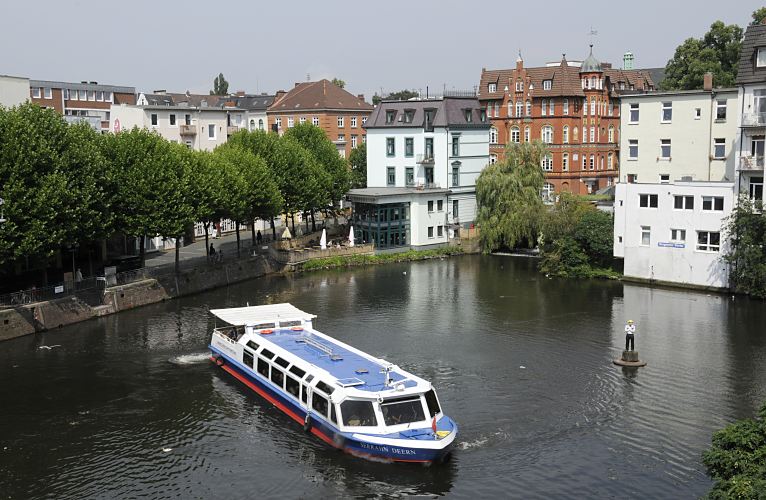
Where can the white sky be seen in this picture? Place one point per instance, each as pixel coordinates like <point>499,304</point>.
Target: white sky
<point>266,46</point>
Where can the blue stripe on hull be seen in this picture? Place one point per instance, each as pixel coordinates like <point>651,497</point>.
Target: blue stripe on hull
<point>331,434</point>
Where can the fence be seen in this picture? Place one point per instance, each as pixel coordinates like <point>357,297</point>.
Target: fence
<point>89,289</point>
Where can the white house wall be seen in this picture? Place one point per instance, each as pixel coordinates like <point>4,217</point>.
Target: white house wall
<point>13,90</point>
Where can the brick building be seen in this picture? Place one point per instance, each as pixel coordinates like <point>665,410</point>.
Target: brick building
<point>572,107</point>
<point>84,101</point>
<point>338,112</point>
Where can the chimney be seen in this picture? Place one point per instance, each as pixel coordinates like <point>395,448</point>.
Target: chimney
<point>707,81</point>
<point>280,94</point>
<point>240,93</point>
<point>360,96</point>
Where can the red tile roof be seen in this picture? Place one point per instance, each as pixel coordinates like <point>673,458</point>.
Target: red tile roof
<point>321,95</point>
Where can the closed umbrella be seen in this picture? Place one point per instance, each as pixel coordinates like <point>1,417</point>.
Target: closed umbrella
<point>351,236</point>
<point>323,240</point>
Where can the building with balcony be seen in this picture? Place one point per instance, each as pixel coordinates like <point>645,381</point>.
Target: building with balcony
<point>90,102</point>
<point>423,159</point>
<point>339,113</point>
<point>571,106</point>
<point>751,84</point>
<point>255,107</point>
<point>669,136</point>
<point>14,90</point>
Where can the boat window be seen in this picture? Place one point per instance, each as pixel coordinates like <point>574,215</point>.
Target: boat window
<point>287,324</point>
<point>293,387</point>
<point>263,326</point>
<point>297,371</point>
<point>358,413</point>
<point>247,357</point>
<point>309,378</point>
<point>333,418</point>
<point>252,345</point>
<point>263,367</point>
<point>282,362</point>
<point>325,388</point>
<point>304,396</point>
<point>277,376</point>
<point>267,354</point>
<point>319,403</point>
<point>402,410</point>
<point>433,404</point>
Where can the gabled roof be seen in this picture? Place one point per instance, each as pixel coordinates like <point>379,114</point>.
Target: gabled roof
<point>321,95</point>
<point>449,112</point>
<point>252,102</point>
<point>748,72</point>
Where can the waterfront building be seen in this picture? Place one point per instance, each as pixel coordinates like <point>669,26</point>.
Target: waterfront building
<point>255,107</point>
<point>571,106</point>
<point>751,112</point>
<point>685,134</point>
<point>423,159</point>
<point>14,90</point>
<point>673,232</point>
<point>90,102</point>
<point>339,113</point>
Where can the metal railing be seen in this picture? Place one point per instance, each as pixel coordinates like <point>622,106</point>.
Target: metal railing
<point>753,119</point>
<point>88,288</point>
<point>751,162</point>
<point>425,158</point>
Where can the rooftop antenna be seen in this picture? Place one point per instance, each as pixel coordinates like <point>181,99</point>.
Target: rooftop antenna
<point>308,77</point>
<point>592,33</point>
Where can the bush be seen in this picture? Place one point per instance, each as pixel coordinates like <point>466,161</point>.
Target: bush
<point>594,234</point>
<point>361,260</point>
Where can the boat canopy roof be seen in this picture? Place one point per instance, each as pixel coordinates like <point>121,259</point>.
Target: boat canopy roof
<point>253,315</point>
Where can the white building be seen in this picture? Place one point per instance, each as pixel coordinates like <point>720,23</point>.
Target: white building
<point>423,159</point>
<point>673,233</point>
<point>668,136</point>
<point>14,90</point>
<point>751,112</point>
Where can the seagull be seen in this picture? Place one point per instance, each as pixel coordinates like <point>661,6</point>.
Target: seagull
<point>49,347</point>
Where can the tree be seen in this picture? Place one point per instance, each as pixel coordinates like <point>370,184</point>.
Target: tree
<point>508,195</point>
<point>594,233</point>
<point>220,86</point>
<point>736,459</point>
<point>358,161</point>
<point>746,228</point>
<point>401,95</point>
<point>340,83</point>
<point>717,52</point>
<point>759,15</point>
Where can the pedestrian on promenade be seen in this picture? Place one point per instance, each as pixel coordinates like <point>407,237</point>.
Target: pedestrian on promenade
<point>259,237</point>
<point>211,252</point>
<point>630,332</point>
<point>78,275</point>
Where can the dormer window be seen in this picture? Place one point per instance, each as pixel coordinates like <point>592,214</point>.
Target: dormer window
<point>492,87</point>
<point>408,115</point>
<point>547,84</point>
<point>468,115</point>
<point>760,60</point>
<point>390,115</point>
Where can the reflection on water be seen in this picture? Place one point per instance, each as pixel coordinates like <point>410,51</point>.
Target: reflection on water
<point>129,405</point>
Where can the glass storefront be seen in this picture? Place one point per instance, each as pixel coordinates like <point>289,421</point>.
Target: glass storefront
<point>386,225</point>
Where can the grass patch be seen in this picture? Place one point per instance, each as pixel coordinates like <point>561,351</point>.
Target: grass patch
<point>364,260</point>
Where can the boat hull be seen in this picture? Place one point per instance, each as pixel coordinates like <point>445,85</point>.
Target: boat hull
<point>323,429</point>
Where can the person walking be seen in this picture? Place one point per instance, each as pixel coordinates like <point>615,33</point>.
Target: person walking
<point>259,237</point>
<point>630,333</point>
<point>211,253</point>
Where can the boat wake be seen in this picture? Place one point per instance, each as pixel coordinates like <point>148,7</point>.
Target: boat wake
<point>190,359</point>
<point>483,441</point>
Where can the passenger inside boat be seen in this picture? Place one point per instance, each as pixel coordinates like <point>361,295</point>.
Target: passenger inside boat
<point>358,413</point>
<point>403,410</point>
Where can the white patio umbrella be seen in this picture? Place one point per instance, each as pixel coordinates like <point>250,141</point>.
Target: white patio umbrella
<point>286,234</point>
<point>323,240</point>
<point>351,236</point>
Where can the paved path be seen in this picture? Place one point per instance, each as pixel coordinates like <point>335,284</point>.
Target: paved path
<point>226,243</point>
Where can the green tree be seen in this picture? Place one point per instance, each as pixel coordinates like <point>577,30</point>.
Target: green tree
<point>736,459</point>
<point>594,233</point>
<point>340,83</point>
<point>716,52</point>
<point>746,228</point>
<point>759,15</point>
<point>508,195</point>
<point>401,95</point>
<point>358,161</point>
<point>220,85</point>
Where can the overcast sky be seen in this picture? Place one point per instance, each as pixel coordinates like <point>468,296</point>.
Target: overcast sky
<point>393,44</point>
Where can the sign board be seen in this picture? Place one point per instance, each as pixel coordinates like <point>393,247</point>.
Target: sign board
<point>117,126</point>
<point>671,245</point>
<point>59,289</point>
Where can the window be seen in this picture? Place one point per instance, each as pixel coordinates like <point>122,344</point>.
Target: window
<point>611,134</point>
<point>565,106</point>
<point>526,134</point>
<point>610,161</point>
<point>547,163</point>
<point>390,114</point>
<point>340,122</point>
<point>409,176</point>
<point>665,149</point>
<point>36,92</point>
<point>519,109</point>
<point>519,86</point>
<point>315,121</point>
<point>565,134</point>
<point>547,134</point>
<point>719,148</point>
<point>515,135</point>
<point>592,161</point>
<point>493,135</point>
<point>720,109</point>
<point>409,114</point>
<point>697,113</point>
<point>353,140</point>
<point>390,146</point>
<point>468,115</point>
<point>664,178</point>
<point>108,96</point>
<point>154,119</point>
<point>263,367</point>
<point>277,376</point>
<point>353,122</point>
<point>646,235</point>
<point>439,205</point>
<point>492,87</point>
<point>708,241</point>
<point>565,162</point>
<point>593,134</point>
<point>293,387</point>
<point>290,122</point>
<point>712,203</point>
<point>510,109</point>
<point>678,235</point>
<point>632,149</point>
<point>319,403</point>
<point>247,357</point>
<point>455,175</point>
<point>592,106</point>
<point>455,145</point>
<point>439,231</point>
<point>302,120</point>
<point>488,111</point>
<point>760,60</point>
<point>278,122</point>
<point>430,205</point>
<point>409,147</point>
<point>681,202</point>
<point>544,107</point>
<point>358,413</point>
<point>667,112</point>
<point>492,159</point>
<point>756,188</point>
<point>634,113</point>
<point>548,192</point>
<point>211,131</point>
<point>404,410</point>
<point>529,108</point>
<point>83,95</point>
<point>552,108</point>
<point>48,93</point>
<point>647,200</point>
<point>547,84</point>
<point>172,120</point>
<point>497,109</point>
<point>430,231</point>
<point>455,210</point>
<point>391,176</point>
<point>260,124</point>
<point>585,106</point>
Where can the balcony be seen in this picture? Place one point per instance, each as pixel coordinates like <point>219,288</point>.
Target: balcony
<point>232,129</point>
<point>188,130</point>
<point>427,185</point>
<point>751,163</point>
<point>425,159</point>
<point>754,119</point>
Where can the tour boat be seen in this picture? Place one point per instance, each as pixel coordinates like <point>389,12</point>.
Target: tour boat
<point>351,400</point>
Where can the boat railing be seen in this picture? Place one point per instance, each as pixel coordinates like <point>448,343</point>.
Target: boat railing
<point>229,333</point>
<point>321,347</point>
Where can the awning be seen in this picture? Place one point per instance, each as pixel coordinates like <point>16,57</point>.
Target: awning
<point>251,315</point>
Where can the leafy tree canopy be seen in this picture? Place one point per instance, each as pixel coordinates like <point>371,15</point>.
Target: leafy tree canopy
<point>759,15</point>
<point>315,142</point>
<point>340,83</point>
<point>220,86</point>
<point>401,95</point>
<point>358,161</point>
<point>746,228</point>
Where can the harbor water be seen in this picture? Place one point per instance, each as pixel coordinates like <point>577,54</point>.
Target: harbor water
<point>129,405</point>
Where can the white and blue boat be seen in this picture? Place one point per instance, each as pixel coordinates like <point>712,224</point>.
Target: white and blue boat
<point>353,401</point>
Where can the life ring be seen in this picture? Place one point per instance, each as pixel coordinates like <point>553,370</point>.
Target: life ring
<point>220,361</point>
<point>307,423</point>
<point>297,328</point>
<point>266,332</point>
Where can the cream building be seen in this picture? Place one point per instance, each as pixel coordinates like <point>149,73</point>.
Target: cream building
<point>14,90</point>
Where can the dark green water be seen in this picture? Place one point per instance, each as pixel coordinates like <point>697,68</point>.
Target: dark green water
<point>522,362</point>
